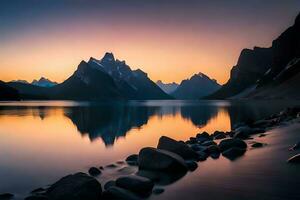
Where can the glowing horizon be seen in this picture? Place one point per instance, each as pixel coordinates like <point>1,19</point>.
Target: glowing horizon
<point>169,41</point>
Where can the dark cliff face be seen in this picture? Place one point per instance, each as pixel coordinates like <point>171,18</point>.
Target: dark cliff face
<point>265,67</point>
<point>198,86</point>
<point>8,93</point>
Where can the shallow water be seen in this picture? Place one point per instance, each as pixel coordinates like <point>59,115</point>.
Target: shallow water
<point>41,141</point>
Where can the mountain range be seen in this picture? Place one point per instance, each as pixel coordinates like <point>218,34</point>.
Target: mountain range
<point>267,73</point>
<point>42,82</point>
<point>167,87</point>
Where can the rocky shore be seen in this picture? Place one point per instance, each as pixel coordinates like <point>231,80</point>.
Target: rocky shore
<point>152,169</point>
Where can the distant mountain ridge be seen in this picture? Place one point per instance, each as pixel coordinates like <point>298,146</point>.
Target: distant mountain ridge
<point>43,82</point>
<point>107,78</point>
<point>198,86</point>
<point>167,87</point>
<point>267,72</point>
<point>8,93</point>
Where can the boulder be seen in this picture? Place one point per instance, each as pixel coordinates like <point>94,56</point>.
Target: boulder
<point>161,160</point>
<point>203,137</point>
<point>202,156</point>
<point>75,187</point>
<point>233,153</point>
<point>208,143</point>
<point>242,132</point>
<point>295,159</point>
<point>212,149</point>
<point>93,171</point>
<point>109,184</point>
<point>174,146</point>
<point>215,155</point>
<point>132,159</point>
<point>191,165</point>
<point>257,145</point>
<point>115,192</point>
<point>229,143</point>
<point>157,191</point>
<point>6,196</point>
<point>137,184</point>
<point>220,136</point>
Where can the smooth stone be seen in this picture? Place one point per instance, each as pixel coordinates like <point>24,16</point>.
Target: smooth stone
<point>93,171</point>
<point>243,132</point>
<point>37,197</point>
<point>132,159</point>
<point>294,159</point>
<point>109,184</point>
<point>203,137</point>
<point>6,196</point>
<point>193,140</point>
<point>197,147</point>
<point>115,192</point>
<point>137,184</point>
<point>202,156</point>
<point>101,168</point>
<point>161,160</point>
<point>161,177</point>
<point>233,153</point>
<point>192,165</point>
<point>183,150</point>
<point>158,191</point>
<point>208,143</point>
<point>232,142</point>
<point>215,155</point>
<point>75,187</point>
<point>257,145</point>
<point>212,149</point>
<point>220,136</point>
<point>111,166</point>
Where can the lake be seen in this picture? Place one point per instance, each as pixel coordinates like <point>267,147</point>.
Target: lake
<point>41,141</point>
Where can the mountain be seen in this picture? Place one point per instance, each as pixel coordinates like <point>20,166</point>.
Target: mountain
<point>43,82</point>
<point>167,87</point>
<point>267,72</point>
<point>20,81</point>
<point>198,86</point>
<point>8,93</point>
<point>132,84</point>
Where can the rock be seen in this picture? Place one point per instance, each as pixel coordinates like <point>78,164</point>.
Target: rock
<point>262,135</point>
<point>197,147</point>
<point>257,145</point>
<point>295,159</point>
<point>75,187</point>
<point>109,184</point>
<point>233,153</point>
<point>220,136</point>
<point>132,159</point>
<point>120,162</point>
<point>295,147</point>
<point>157,191</point>
<point>115,192</point>
<point>137,184</point>
<point>5,196</point>
<point>203,137</point>
<point>229,143</point>
<point>111,166</point>
<point>193,140</point>
<point>161,177</point>
<point>38,190</point>
<point>212,149</point>
<point>208,143</point>
<point>202,155</point>
<point>127,170</point>
<point>37,197</point>
<point>183,150</point>
<point>243,132</point>
<point>191,165</point>
<point>101,168</point>
<point>161,160</point>
<point>215,155</point>
<point>93,171</point>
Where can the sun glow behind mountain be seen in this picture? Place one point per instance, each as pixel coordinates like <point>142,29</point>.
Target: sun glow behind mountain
<point>51,38</point>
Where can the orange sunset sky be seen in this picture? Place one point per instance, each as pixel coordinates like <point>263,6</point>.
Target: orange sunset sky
<point>169,41</point>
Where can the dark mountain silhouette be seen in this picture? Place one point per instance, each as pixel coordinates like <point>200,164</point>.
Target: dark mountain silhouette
<point>198,86</point>
<point>167,87</point>
<point>43,82</point>
<point>267,72</point>
<point>7,92</point>
<point>132,84</point>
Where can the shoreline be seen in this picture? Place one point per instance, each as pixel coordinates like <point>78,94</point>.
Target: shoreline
<point>184,167</point>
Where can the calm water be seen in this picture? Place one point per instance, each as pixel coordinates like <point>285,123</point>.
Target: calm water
<point>43,141</point>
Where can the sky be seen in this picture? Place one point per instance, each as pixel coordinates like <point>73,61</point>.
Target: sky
<point>169,39</point>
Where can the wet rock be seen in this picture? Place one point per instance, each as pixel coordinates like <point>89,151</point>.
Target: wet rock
<point>120,162</point>
<point>75,187</point>
<point>220,136</point>
<point>93,171</point>
<point>295,147</point>
<point>109,184</point>
<point>6,196</point>
<point>202,156</point>
<point>257,145</point>
<point>232,142</point>
<point>37,197</point>
<point>161,177</point>
<point>208,143</point>
<point>215,155</point>
<point>132,159</point>
<point>203,137</point>
<point>115,192</point>
<point>243,132</point>
<point>101,168</point>
<point>111,166</point>
<point>212,149</point>
<point>161,160</point>
<point>197,147</point>
<point>158,191</point>
<point>183,150</point>
<point>295,159</point>
<point>191,165</point>
<point>233,153</point>
<point>137,184</point>
<point>193,140</point>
